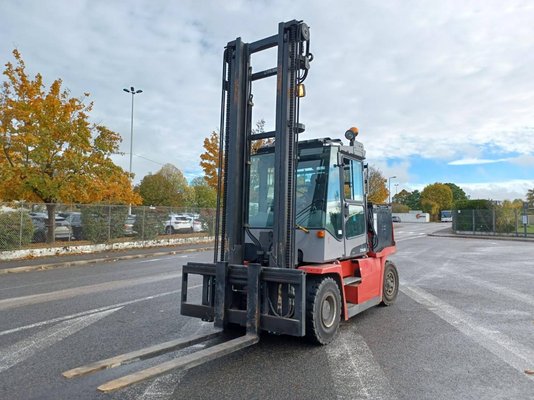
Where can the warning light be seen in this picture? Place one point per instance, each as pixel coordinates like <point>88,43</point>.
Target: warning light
<point>301,90</point>
<point>351,133</point>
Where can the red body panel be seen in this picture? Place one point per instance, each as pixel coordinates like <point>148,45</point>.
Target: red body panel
<point>370,269</point>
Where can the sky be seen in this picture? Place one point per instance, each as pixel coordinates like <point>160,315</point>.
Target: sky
<point>440,91</point>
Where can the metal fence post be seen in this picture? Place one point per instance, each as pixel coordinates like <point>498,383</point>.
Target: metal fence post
<point>516,223</point>
<point>473,211</point>
<point>493,222</point>
<point>20,227</point>
<point>525,218</point>
<point>109,223</point>
<point>143,224</point>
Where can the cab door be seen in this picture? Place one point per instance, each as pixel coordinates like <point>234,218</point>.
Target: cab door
<point>355,224</point>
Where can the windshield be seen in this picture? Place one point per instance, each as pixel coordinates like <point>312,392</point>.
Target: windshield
<point>312,187</point>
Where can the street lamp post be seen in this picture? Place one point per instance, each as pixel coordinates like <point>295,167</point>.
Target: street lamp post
<point>389,187</point>
<point>133,92</point>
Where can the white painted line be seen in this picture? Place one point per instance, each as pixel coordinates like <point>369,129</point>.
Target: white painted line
<point>355,372</point>
<point>512,353</point>
<point>21,351</point>
<point>408,238</point>
<point>146,261</point>
<point>95,310</point>
<point>503,291</point>
<point>82,290</point>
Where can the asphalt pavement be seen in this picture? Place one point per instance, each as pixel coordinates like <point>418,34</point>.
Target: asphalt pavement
<point>461,328</point>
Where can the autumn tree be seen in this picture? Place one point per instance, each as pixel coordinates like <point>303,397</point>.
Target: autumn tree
<point>167,187</point>
<point>49,151</point>
<point>378,193</point>
<point>209,160</point>
<point>436,197</point>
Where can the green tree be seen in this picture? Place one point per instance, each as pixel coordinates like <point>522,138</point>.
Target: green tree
<point>167,187</point>
<point>414,200</point>
<point>50,152</point>
<point>530,198</point>
<point>378,193</point>
<point>204,195</point>
<point>458,193</point>
<point>399,208</point>
<point>436,197</point>
<point>401,197</point>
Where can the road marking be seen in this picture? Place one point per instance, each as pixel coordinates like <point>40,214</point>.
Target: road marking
<point>408,238</point>
<point>93,311</point>
<point>81,290</point>
<point>355,372</point>
<point>147,261</point>
<point>514,354</point>
<point>504,291</point>
<point>21,351</point>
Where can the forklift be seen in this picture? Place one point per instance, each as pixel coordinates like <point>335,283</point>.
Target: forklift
<point>298,247</point>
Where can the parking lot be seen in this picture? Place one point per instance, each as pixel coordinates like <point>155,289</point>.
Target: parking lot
<point>462,328</point>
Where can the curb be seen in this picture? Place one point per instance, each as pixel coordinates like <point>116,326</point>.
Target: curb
<point>66,264</point>
<point>509,239</point>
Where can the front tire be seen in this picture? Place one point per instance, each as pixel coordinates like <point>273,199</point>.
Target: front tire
<point>390,288</point>
<point>323,310</point>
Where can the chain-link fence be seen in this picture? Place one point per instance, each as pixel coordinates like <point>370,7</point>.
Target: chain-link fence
<point>26,225</point>
<point>500,221</point>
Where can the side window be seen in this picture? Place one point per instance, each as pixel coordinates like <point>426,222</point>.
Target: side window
<point>355,223</point>
<point>352,180</point>
<point>357,180</point>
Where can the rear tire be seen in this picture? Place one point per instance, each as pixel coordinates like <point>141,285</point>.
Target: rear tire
<point>323,310</point>
<point>390,288</point>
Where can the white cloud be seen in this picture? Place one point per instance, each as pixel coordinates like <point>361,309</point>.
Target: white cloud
<point>475,161</point>
<point>514,189</point>
<point>509,190</point>
<point>435,80</point>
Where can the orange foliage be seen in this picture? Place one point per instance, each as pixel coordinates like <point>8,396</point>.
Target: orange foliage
<point>49,151</point>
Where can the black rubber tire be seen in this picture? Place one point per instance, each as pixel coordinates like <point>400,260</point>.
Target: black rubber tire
<point>390,285</point>
<point>169,230</point>
<point>323,310</point>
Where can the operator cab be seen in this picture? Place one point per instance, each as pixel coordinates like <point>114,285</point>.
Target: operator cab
<point>330,202</point>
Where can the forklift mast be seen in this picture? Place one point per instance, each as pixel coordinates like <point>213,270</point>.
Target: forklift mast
<point>236,138</point>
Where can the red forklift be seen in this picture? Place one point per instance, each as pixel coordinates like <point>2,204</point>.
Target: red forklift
<point>298,247</point>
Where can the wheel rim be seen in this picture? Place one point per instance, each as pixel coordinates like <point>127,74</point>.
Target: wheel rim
<point>328,310</point>
<point>390,284</point>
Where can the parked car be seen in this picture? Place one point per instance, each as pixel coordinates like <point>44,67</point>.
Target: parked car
<point>75,220</point>
<point>199,225</point>
<point>178,223</point>
<point>62,229</point>
<point>395,219</point>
